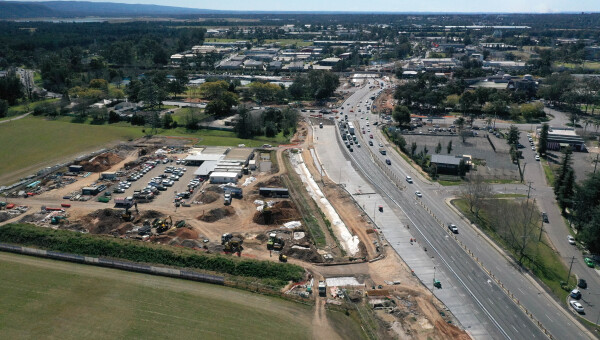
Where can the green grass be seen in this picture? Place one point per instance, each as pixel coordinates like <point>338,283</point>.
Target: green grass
<point>52,299</point>
<point>180,115</point>
<point>449,183</point>
<point>24,108</point>
<point>31,143</point>
<point>548,172</point>
<point>548,266</point>
<point>592,65</point>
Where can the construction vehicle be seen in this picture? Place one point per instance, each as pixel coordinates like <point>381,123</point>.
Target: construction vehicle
<point>322,288</point>
<point>163,225</point>
<point>180,224</point>
<point>234,191</point>
<point>58,220</point>
<point>282,258</point>
<point>274,242</point>
<point>227,199</point>
<point>127,216</point>
<point>232,244</point>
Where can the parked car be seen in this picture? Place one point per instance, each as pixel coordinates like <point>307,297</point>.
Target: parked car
<point>576,306</point>
<point>571,239</point>
<point>545,217</point>
<point>575,294</point>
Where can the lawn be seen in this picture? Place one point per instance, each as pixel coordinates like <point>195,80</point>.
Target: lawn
<point>548,172</point>
<point>24,108</point>
<point>179,115</point>
<point>31,143</point>
<point>548,266</point>
<point>59,300</point>
<point>592,65</point>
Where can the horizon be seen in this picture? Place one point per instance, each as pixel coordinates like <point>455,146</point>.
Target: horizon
<point>375,6</point>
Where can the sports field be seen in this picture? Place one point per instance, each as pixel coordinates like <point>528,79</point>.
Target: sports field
<point>47,299</point>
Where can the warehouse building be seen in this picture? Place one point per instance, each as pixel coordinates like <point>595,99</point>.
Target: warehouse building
<point>563,137</point>
<point>223,177</point>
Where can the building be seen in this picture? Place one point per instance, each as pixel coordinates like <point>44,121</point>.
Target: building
<point>223,177</point>
<point>75,168</point>
<point>108,175</point>
<point>563,137</point>
<point>446,163</point>
<point>199,158</point>
<point>90,191</point>
<point>274,192</point>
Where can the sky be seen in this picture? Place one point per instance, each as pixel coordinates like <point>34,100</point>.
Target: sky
<point>504,6</point>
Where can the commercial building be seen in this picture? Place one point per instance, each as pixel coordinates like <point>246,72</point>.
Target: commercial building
<point>223,177</point>
<point>563,137</point>
<point>446,163</point>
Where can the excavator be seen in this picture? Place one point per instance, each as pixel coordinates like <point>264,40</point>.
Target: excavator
<point>127,216</point>
<point>163,225</point>
<point>274,242</point>
<point>58,220</point>
<point>232,244</point>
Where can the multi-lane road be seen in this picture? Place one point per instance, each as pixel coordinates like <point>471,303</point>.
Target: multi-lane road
<point>483,292</point>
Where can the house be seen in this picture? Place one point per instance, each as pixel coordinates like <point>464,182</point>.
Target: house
<point>274,65</point>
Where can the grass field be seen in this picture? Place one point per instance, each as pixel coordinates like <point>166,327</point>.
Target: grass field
<point>24,108</point>
<point>32,143</point>
<point>60,300</point>
<point>548,266</point>
<point>590,65</point>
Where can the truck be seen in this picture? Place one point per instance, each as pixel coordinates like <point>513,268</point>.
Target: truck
<point>322,288</point>
<point>350,128</point>
<point>234,191</point>
<point>124,202</point>
<point>227,199</point>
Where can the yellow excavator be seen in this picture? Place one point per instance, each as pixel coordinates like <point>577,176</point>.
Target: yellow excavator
<point>163,225</point>
<point>232,244</point>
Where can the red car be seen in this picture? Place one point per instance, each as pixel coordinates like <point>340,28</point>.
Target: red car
<point>371,136</point>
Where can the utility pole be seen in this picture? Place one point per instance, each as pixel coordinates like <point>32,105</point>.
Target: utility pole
<point>541,229</point>
<point>529,190</point>
<point>570,267</point>
<point>596,162</point>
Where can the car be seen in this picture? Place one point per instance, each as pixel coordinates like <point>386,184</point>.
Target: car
<point>370,143</point>
<point>589,262</point>
<point>388,162</point>
<point>409,179</point>
<point>380,145</point>
<point>575,294</point>
<point>371,136</point>
<point>545,217</point>
<point>351,149</point>
<point>576,306</point>
<point>418,193</point>
<point>533,147</point>
<point>453,228</point>
<point>537,158</point>
<point>581,283</point>
<point>571,239</point>
<point>363,132</point>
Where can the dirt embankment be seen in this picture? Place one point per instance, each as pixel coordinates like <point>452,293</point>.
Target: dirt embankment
<point>280,213</point>
<point>101,162</point>
<point>216,214</point>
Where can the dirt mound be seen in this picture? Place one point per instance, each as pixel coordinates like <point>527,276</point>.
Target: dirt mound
<point>101,162</point>
<point>151,214</point>
<point>215,188</point>
<point>217,214</point>
<point>185,234</point>
<point>305,252</point>
<point>103,221</point>
<point>274,181</point>
<point>281,212</point>
<point>4,216</point>
<point>207,197</point>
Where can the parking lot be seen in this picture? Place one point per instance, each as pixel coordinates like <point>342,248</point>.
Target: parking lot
<point>164,197</point>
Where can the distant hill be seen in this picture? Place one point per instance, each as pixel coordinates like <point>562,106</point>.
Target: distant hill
<point>71,9</point>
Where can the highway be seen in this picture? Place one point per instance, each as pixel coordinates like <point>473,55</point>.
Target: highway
<point>482,290</point>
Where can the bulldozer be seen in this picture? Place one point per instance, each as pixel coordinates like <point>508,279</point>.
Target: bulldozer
<point>232,244</point>
<point>274,242</point>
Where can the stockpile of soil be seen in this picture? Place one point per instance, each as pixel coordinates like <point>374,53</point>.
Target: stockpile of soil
<point>4,216</point>
<point>280,213</point>
<point>185,234</point>
<point>150,214</point>
<point>103,221</point>
<point>309,254</point>
<point>217,214</point>
<point>101,162</point>
<point>273,182</point>
<point>32,218</point>
<point>207,197</point>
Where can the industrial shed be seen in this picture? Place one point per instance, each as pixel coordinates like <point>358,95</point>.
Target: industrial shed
<point>223,177</point>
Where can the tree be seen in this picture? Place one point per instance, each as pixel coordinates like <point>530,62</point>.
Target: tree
<point>438,148</point>
<point>3,108</point>
<point>449,147</point>
<point>543,139</point>
<point>475,192</point>
<point>178,85</point>
<point>401,114</point>
<point>567,190</point>
<point>513,135</point>
<point>413,149</point>
<point>264,92</point>
<point>462,168</point>
<point>167,121</point>
<point>213,89</point>
<point>113,117</point>
<point>11,88</point>
<point>563,170</point>
<point>586,211</point>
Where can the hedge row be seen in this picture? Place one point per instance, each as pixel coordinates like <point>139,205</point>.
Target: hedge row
<point>94,245</point>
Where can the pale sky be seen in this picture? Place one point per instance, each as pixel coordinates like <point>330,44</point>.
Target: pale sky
<point>504,6</point>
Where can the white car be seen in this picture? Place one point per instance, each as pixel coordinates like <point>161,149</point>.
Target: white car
<point>537,158</point>
<point>571,239</point>
<point>576,306</point>
<point>418,193</point>
<point>409,179</point>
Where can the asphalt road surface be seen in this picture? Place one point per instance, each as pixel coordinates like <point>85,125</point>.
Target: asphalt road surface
<point>481,290</point>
